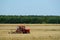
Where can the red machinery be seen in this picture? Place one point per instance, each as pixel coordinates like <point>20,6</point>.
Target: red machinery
<point>22,29</point>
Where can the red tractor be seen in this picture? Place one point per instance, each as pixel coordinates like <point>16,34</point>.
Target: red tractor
<point>22,29</point>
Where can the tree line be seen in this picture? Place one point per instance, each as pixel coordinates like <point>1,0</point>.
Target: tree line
<point>31,19</point>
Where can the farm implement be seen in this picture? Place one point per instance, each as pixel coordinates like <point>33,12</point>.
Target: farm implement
<point>22,29</point>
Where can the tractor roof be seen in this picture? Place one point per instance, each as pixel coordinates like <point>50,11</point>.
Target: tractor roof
<point>21,25</point>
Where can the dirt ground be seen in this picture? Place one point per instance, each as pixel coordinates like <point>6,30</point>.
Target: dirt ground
<point>37,32</point>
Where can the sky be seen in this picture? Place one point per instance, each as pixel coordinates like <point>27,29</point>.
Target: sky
<point>30,7</point>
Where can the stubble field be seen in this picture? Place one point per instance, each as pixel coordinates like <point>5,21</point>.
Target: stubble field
<point>37,32</point>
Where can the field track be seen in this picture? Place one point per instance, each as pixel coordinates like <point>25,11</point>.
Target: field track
<point>38,32</point>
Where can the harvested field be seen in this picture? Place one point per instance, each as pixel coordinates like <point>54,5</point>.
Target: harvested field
<point>38,32</point>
